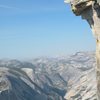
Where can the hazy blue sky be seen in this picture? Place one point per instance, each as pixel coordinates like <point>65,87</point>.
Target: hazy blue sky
<point>32,28</point>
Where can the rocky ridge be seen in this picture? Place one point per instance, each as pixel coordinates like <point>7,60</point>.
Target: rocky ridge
<point>49,78</point>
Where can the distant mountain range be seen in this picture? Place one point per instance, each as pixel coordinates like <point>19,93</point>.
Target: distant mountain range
<point>60,78</point>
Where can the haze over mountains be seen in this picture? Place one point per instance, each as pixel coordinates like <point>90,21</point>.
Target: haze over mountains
<point>71,77</point>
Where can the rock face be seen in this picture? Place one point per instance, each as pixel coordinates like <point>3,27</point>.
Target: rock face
<point>90,11</point>
<point>84,87</point>
<point>49,78</point>
<point>15,85</point>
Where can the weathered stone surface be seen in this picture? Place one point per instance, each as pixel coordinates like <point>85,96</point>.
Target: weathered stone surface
<point>93,19</point>
<point>84,88</point>
<point>90,10</point>
<point>78,6</point>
